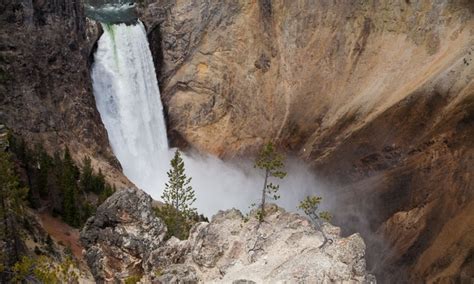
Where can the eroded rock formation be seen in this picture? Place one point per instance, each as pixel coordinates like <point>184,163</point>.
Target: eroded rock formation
<point>376,95</point>
<point>121,236</point>
<point>125,239</point>
<point>45,86</point>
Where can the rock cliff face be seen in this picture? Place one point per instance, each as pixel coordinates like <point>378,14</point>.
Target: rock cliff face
<point>249,70</point>
<point>122,234</point>
<point>376,95</point>
<point>124,240</point>
<point>45,86</point>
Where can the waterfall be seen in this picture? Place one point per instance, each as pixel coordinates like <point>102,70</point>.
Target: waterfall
<point>128,99</point>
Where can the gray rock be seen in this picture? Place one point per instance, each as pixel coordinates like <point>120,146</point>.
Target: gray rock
<point>125,238</point>
<point>243,281</point>
<point>120,237</point>
<point>177,274</point>
<point>284,248</point>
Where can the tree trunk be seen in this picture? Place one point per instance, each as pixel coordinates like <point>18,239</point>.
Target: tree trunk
<point>320,228</point>
<point>5,213</point>
<point>264,194</point>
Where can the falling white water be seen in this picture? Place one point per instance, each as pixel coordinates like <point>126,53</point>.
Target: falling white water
<point>128,99</point>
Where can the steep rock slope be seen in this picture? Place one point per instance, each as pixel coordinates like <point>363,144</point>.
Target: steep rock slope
<point>45,86</point>
<point>299,68</point>
<point>123,241</point>
<point>377,95</point>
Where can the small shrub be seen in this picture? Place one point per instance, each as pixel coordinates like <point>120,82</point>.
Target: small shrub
<point>133,279</point>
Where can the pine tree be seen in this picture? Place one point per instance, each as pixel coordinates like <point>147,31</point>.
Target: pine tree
<point>178,193</point>
<point>178,196</point>
<point>44,165</point>
<point>69,177</point>
<point>87,175</point>
<point>99,182</point>
<point>310,206</point>
<point>12,203</point>
<point>272,163</point>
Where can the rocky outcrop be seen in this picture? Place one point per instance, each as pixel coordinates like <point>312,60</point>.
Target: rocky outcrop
<point>125,238</point>
<point>376,95</point>
<point>285,248</point>
<point>122,234</point>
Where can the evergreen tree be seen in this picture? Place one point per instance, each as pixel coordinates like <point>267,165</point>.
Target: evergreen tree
<point>99,182</point>
<point>91,182</point>
<point>44,164</point>
<point>59,181</point>
<point>12,202</point>
<point>178,196</point>
<point>87,182</point>
<point>271,162</point>
<point>107,192</point>
<point>310,206</point>
<point>178,193</point>
<point>69,177</point>
<point>26,159</point>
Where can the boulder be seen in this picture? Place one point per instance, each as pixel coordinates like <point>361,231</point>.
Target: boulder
<point>119,238</point>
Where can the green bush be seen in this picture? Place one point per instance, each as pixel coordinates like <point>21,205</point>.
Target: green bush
<point>133,279</point>
<point>42,270</point>
<point>176,223</point>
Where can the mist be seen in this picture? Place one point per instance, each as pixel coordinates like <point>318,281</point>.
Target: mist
<point>221,185</point>
<point>128,100</point>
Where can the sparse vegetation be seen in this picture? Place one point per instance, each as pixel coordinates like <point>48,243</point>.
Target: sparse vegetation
<point>133,279</point>
<point>43,270</point>
<point>310,206</point>
<point>271,162</point>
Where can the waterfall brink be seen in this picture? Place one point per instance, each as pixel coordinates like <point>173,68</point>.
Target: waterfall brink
<point>128,99</point>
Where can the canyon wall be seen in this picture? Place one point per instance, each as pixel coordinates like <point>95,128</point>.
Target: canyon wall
<point>377,95</point>
<point>45,86</point>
